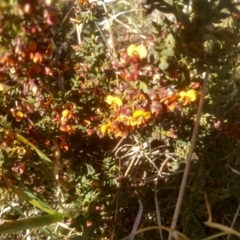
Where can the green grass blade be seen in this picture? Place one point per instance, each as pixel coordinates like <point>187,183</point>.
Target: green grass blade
<point>17,210</point>
<point>47,161</point>
<point>34,222</point>
<point>29,197</point>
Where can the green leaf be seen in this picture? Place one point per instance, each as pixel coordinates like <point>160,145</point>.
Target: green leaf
<point>90,169</point>
<point>83,180</point>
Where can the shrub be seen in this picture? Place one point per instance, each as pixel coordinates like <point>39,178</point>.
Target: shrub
<point>95,132</point>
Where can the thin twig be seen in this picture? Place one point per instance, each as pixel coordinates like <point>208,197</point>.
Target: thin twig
<point>189,157</point>
<point>118,144</point>
<point>131,164</point>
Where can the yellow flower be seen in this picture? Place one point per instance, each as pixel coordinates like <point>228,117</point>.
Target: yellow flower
<point>111,128</point>
<point>105,127</point>
<point>139,117</point>
<point>114,100</point>
<point>17,114</point>
<point>141,113</point>
<point>139,50</point>
<point>65,113</point>
<point>187,97</point>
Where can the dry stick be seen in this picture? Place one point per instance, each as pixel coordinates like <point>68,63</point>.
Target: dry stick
<point>188,161</point>
<point>131,164</point>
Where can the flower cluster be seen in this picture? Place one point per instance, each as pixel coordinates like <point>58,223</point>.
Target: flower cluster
<point>140,94</point>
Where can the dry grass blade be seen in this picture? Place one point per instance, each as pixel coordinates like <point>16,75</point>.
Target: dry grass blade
<point>223,228</point>
<point>189,157</point>
<point>175,233</point>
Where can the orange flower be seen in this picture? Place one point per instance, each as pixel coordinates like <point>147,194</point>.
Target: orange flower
<point>70,129</point>
<point>170,101</point>
<point>172,106</point>
<point>83,1</point>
